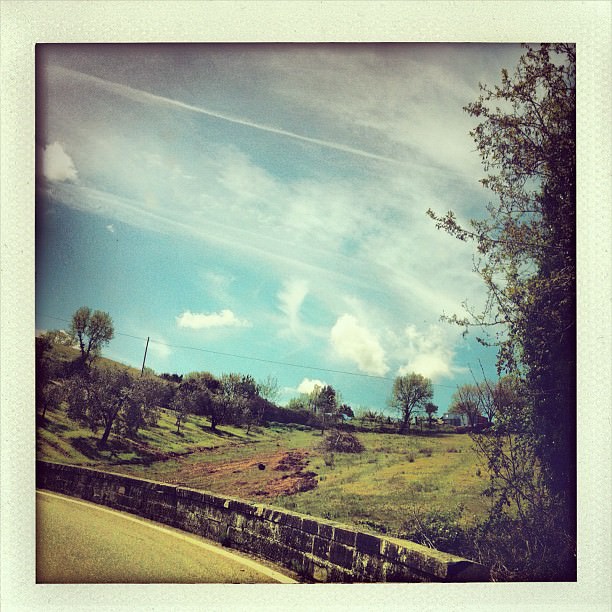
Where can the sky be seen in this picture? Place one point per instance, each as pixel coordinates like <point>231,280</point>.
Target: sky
<point>261,209</point>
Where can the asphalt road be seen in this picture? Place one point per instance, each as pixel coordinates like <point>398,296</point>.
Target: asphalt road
<point>79,542</point>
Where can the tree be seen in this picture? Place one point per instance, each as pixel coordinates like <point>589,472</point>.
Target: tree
<point>526,246</point>
<point>302,402</point>
<point>187,399</point>
<point>430,409</point>
<point>269,389</point>
<point>410,392</point>
<point>235,398</point>
<point>325,405</point>
<point>196,395</point>
<point>497,396</point>
<point>97,398</point>
<point>143,398</point>
<point>92,330</point>
<point>467,400</point>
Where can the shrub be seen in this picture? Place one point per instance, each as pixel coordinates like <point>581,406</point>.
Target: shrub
<point>427,451</point>
<point>439,529</point>
<point>342,442</point>
<point>329,459</point>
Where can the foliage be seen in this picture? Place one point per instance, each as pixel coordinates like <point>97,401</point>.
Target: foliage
<point>269,389</point>
<point>467,400</point>
<point>278,414</point>
<point>92,330</point>
<point>439,529</point>
<point>95,398</point>
<point>410,392</point>
<point>430,409</point>
<point>346,410</point>
<point>526,245</point>
<point>237,400</point>
<point>175,378</point>
<point>144,396</point>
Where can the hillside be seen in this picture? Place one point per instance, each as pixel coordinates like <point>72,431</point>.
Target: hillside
<point>284,465</point>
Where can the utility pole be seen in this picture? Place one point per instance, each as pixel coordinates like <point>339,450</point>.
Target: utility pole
<point>145,357</point>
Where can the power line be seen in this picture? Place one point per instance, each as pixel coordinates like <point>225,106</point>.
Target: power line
<point>251,358</point>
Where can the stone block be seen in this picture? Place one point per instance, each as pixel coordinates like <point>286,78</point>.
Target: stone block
<point>320,548</point>
<point>290,519</point>
<point>326,531</point>
<point>344,536</point>
<point>241,507</point>
<point>368,544</point>
<point>297,539</point>
<point>320,573</point>
<point>341,555</point>
<point>310,526</point>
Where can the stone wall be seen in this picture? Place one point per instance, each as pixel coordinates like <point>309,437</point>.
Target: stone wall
<point>320,550</point>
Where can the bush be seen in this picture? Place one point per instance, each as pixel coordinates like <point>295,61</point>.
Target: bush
<point>506,545</point>
<point>342,442</point>
<point>439,529</point>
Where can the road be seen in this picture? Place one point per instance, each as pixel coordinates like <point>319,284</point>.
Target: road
<point>80,542</point>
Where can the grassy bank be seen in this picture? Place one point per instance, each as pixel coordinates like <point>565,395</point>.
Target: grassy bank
<point>376,489</point>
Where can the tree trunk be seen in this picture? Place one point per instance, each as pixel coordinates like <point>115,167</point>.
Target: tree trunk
<point>106,434</point>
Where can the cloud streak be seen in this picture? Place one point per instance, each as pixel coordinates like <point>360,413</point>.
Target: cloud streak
<point>144,96</point>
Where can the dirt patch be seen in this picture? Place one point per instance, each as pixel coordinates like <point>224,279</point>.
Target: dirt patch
<point>293,461</point>
<point>255,477</point>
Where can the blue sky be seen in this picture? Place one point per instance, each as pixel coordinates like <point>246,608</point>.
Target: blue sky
<point>266,202</point>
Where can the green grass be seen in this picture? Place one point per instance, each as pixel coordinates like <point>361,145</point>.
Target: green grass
<point>380,484</point>
<point>372,490</point>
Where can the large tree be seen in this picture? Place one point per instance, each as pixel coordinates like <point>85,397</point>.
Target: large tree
<point>96,399</point>
<point>410,393</point>
<point>467,400</point>
<point>92,330</point>
<point>526,244</point>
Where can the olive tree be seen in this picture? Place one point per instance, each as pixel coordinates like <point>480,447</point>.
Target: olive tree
<point>91,330</point>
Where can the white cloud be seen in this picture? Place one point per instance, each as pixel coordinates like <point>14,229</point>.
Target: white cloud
<point>225,318</point>
<point>430,353</point>
<point>291,297</point>
<point>160,349</point>
<point>57,165</point>
<point>307,385</point>
<point>358,344</point>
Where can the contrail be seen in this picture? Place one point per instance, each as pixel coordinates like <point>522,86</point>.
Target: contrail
<point>144,96</point>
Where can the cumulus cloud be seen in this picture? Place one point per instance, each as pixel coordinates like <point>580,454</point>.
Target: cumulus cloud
<point>430,353</point>
<point>57,165</point>
<point>225,318</point>
<point>356,343</point>
<point>307,385</point>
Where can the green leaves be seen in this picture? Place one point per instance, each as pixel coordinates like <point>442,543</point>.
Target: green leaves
<point>526,245</point>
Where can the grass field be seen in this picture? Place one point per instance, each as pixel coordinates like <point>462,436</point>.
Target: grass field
<point>376,489</point>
